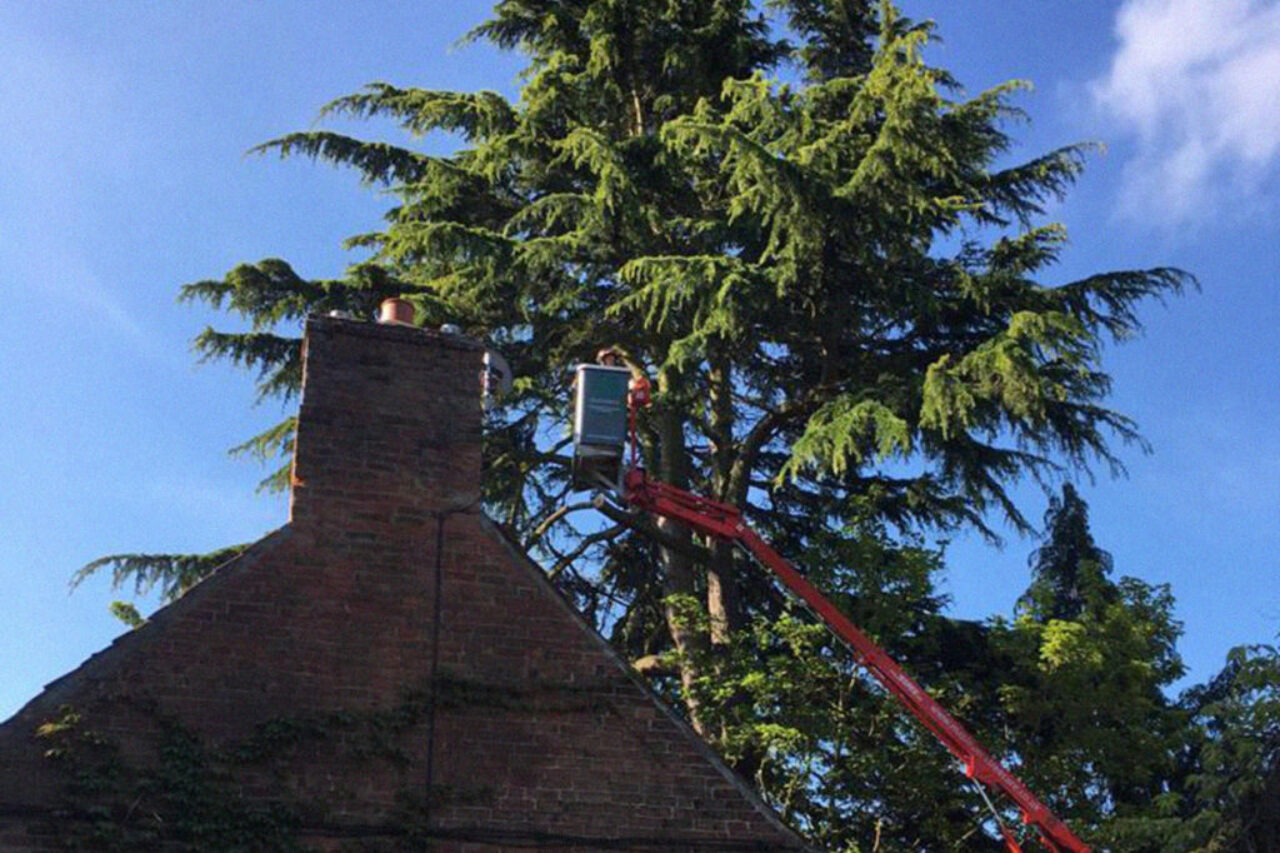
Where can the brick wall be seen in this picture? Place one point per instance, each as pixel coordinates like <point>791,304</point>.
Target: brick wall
<point>387,662</point>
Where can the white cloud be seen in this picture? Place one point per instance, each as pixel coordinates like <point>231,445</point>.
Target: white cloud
<point>1197,84</point>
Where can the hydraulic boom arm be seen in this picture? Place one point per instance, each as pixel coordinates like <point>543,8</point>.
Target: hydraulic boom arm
<point>725,522</point>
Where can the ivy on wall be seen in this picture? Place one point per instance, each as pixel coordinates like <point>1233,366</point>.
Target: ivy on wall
<point>189,794</point>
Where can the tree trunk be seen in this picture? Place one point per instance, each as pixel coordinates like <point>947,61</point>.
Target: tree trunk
<point>724,601</point>
<point>680,582</point>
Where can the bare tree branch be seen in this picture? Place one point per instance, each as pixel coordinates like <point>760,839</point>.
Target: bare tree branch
<point>641,524</point>
<point>586,543</point>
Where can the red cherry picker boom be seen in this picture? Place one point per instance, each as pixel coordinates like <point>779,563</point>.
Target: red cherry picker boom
<point>725,522</point>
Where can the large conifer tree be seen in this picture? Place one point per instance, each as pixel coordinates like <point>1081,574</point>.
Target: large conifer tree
<point>835,284</point>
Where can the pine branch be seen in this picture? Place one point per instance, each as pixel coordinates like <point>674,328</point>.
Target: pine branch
<point>174,574</point>
<point>276,442</point>
<point>475,115</point>
<point>377,162</point>
<point>277,360</point>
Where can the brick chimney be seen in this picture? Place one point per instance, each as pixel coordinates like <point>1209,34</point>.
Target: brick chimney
<point>389,426</point>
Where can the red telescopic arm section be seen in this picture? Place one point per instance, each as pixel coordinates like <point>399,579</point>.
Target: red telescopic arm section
<point>725,522</point>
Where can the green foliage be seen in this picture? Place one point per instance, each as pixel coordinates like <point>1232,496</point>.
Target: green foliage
<point>174,574</point>
<point>1231,798</point>
<point>1089,660</point>
<point>185,800</point>
<point>836,756</point>
<point>1086,704</point>
<point>175,791</point>
<point>127,613</point>
<point>1069,572</point>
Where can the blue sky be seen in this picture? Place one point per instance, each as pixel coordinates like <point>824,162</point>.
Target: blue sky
<point>123,176</point>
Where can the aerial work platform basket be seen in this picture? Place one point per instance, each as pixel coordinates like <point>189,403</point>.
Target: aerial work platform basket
<point>600,425</point>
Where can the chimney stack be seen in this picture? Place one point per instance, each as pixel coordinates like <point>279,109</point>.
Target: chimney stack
<point>389,426</point>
